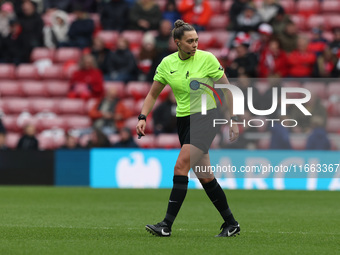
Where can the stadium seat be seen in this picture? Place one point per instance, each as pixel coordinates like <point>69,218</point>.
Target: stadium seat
<point>67,54</point>
<point>90,104</point>
<point>10,88</point>
<point>10,123</point>
<point>43,105</point>
<point>71,106</point>
<point>219,21</point>
<point>12,140</point>
<point>299,21</point>
<point>129,103</point>
<point>317,21</point>
<point>33,88</point>
<point>53,72</point>
<point>298,143</point>
<point>147,141</point>
<point>96,19</point>
<point>328,36</point>
<point>167,141</point>
<point>52,123</point>
<point>16,105</point>
<point>57,88</point>
<point>84,139</point>
<point>76,121</point>
<point>206,39</point>
<point>114,138</point>
<point>162,4</point>
<point>27,71</point>
<point>134,37</point>
<point>68,72</point>
<point>217,52</point>
<point>333,88</point>
<point>333,21</point>
<point>45,142</point>
<point>120,86</point>
<point>109,38</point>
<point>263,143</point>
<point>216,6</point>
<point>262,87</point>
<point>289,6</point>
<point>316,89</point>
<point>137,89</point>
<point>7,71</point>
<point>308,7</point>
<point>333,125</point>
<point>330,6</point>
<point>221,38</point>
<point>42,53</point>
<point>226,6</point>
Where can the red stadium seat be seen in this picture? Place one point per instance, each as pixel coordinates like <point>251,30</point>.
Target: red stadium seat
<point>167,141</point>
<point>333,21</point>
<point>217,52</point>
<point>96,19</point>
<point>299,21</point>
<point>226,6</point>
<point>330,6</point>
<point>90,104</point>
<point>57,88</point>
<point>308,7</point>
<point>289,6</point>
<point>147,141</point>
<point>333,125</point>
<point>45,142</point>
<point>53,72</point>
<point>109,38</point>
<point>129,103</point>
<point>16,105</point>
<point>43,105</point>
<point>317,89</point>
<point>70,70</point>
<point>27,71</point>
<point>216,6</point>
<point>134,38</point>
<point>12,140</point>
<point>42,53</point>
<point>76,121</point>
<point>114,138</point>
<point>264,143</point>
<point>10,88</point>
<point>206,39</point>
<point>120,86</point>
<point>7,71</point>
<point>71,106</point>
<point>218,22</point>
<point>137,89</point>
<point>317,21</point>
<point>162,4</point>
<point>262,87</point>
<point>298,143</point>
<point>333,89</point>
<point>67,54</point>
<point>10,123</point>
<point>33,88</point>
<point>221,38</point>
<point>52,123</point>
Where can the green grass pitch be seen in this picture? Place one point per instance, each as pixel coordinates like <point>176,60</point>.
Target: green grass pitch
<point>50,220</point>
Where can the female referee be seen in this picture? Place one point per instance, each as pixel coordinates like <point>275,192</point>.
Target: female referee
<point>176,70</point>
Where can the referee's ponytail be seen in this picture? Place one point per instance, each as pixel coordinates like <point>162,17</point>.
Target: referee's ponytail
<point>180,28</point>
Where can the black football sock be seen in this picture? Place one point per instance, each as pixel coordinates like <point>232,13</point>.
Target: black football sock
<point>218,198</point>
<point>177,196</point>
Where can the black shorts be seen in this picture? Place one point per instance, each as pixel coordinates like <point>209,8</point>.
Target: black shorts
<point>197,129</point>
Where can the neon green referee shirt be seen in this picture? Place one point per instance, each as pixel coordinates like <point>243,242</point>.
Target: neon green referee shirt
<point>203,67</point>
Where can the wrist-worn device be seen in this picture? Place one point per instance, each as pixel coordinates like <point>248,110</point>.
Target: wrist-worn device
<point>141,117</point>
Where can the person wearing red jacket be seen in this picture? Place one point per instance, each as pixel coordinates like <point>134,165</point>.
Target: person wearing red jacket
<point>301,60</point>
<point>273,61</point>
<point>196,12</point>
<point>87,82</point>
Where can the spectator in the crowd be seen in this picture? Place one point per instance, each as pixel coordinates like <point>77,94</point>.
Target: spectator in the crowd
<point>145,15</point>
<point>13,48</point>
<point>147,53</point>
<point>269,10</point>
<point>244,82</point>
<point>245,61</point>
<point>3,145</point>
<point>102,56</point>
<point>279,21</point>
<point>6,14</point>
<point>52,5</point>
<point>32,28</point>
<point>164,35</point>
<point>81,30</point>
<point>335,45</point>
<point>248,20</point>
<point>86,82</point>
<point>325,64</point>
<point>318,139</point>
<point>171,12</point>
<point>123,63</point>
<point>279,135</point>
<point>196,12</point>
<point>109,113</point>
<point>236,8</point>
<point>273,61</point>
<point>71,142</point>
<point>2,127</point>
<point>317,43</point>
<point>114,15</point>
<point>164,116</point>
<point>28,140</point>
<point>289,37</point>
<point>302,60</point>
<point>266,99</point>
<point>98,140</point>
<point>56,34</point>
<point>86,5</point>
<point>126,139</point>
<point>265,34</point>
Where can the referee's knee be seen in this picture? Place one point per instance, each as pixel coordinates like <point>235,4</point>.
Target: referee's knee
<point>181,168</point>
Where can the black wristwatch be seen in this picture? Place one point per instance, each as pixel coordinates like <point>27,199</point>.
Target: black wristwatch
<point>234,118</point>
<point>142,117</point>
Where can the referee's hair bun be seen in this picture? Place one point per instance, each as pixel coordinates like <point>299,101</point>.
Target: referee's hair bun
<point>179,23</point>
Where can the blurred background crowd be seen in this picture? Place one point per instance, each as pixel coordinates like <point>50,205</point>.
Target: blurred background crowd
<point>74,73</point>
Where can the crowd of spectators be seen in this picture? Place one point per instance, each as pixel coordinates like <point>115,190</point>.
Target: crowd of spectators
<point>264,42</point>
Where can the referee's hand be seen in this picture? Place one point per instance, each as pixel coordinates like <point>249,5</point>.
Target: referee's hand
<point>140,128</point>
<point>233,133</point>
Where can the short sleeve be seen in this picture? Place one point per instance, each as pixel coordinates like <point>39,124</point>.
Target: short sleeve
<point>160,74</point>
<point>214,68</point>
